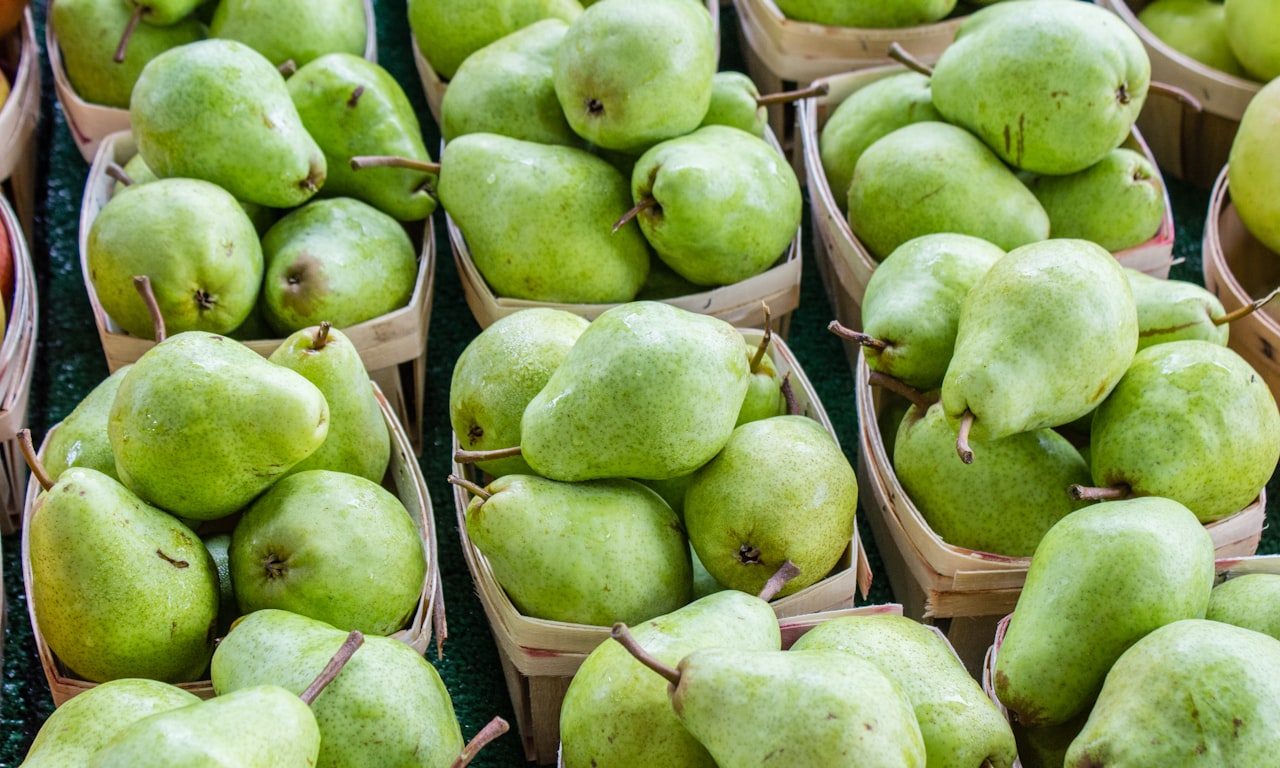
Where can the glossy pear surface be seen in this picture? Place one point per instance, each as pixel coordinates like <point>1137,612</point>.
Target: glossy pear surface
<point>297,30</point>
<point>1170,310</point>
<point>1250,600</point>
<point>81,438</point>
<point>1118,202</point>
<point>447,32</point>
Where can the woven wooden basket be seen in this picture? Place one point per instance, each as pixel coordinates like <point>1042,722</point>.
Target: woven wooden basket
<point>19,117</point>
<point>403,478</point>
<point>17,366</point>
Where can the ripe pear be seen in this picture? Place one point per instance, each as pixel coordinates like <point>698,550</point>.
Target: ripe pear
<point>867,13</point>
<point>765,397</point>
<point>735,102</point>
<point>930,177</point>
<point>1251,33</point>
<point>297,30</point>
<point>1101,578</point>
<point>1172,309</point>
<point>1192,421</point>
<point>1194,28</point>
<point>1253,172</point>
<point>1050,87</point>
<point>228,610</point>
<point>447,32</point>
<point>1250,600</point>
<point>81,438</point>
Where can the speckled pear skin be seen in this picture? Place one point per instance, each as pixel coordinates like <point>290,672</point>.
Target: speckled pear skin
<point>218,110</point>
<point>81,438</point>
<point>617,712</point>
<point>120,588</point>
<point>912,303</point>
<point>814,708</point>
<point>447,32</point>
<point>88,720</point>
<point>1171,310</point>
<point>960,725</point>
<point>264,726</point>
<point>1003,503</point>
<point>1191,693</point>
<point>1101,578</point>
<point>1043,337</point>
<point>867,13</point>
<point>764,396</point>
<point>1051,87</point>
<point>297,30</point>
<point>780,489</point>
<point>388,708</point>
<point>201,424</point>
<point>1190,420</point>
<point>1250,600</point>
<point>649,391</point>
<point>591,552</point>
<point>734,103</point>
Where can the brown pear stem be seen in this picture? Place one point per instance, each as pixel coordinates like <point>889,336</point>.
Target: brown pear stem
<point>763,346</point>
<point>287,68</point>
<point>786,572</point>
<point>143,284</point>
<point>345,651</point>
<point>900,55</point>
<point>123,45</point>
<point>360,162</point>
<point>321,337</point>
<point>33,461</point>
<point>645,203</point>
<point>471,457</point>
<point>896,385</point>
<point>962,437</point>
<point>786,97</point>
<point>1174,92</point>
<point>1247,309</point>
<point>491,730</point>
<point>1091,493</point>
<point>789,394</point>
<point>475,488</point>
<point>845,332</point>
<point>116,172</point>
<point>622,634</point>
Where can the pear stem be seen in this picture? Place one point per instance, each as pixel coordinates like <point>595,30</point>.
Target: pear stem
<point>475,488</point>
<point>793,405</point>
<point>622,634</point>
<point>763,347</point>
<point>33,461</point>
<point>491,730</point>
<point>962,437</point>
<point>1090,493</point>
<point>786,572</point>
<point>647,202</point>
<point>1247,309</point>
<point>360,162</point>
<point>143,284</point>
<point>785,97</point>
<point>1183,97</point>
<point>118,173</point>
<point>471,457</point>
<point>345,651</point>
<point>900,55</point>
<point>123,45</point>
<point>896,385</point>
<point>287,68</point>
<point>844,332</point>
<point>321,337</point>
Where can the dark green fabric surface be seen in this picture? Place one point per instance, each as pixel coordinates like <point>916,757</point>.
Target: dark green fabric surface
<point>70,362</point>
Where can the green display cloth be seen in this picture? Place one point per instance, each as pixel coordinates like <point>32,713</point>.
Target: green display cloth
<point>70,362</point>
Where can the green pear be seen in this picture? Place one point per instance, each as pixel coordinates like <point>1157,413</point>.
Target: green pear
<point>1253,170</point>
<point>872,111</point>
<point>81,438</point>
<point>162,13</point>
<point>1251,32</point>
<point>540,226</point>
<point>335,260</point>
<point>1014,492</point>
<point>1063,87</point>
<point>506,88</point>
<point>353,107</point>
<point>911,306</point>
<point>332,546</point>
<point>137,173</point>
<point>631,74</point>
<point>297,30</point>
<point>781,489</point>
<point>1200,692</point>
<point>447,32</point>
<point>1250,600</point>
<point>220,111</point>
<point>1101,578</point>
<point>1118,202</point>
<point>591,552</point>
<point>499,372</point>
<point>867,13</point>
<point>192,240</point>
<point>930,177</point>
<point>961,726</point>
<point>1044,336</point>
<point>119,588</point>
<point>89,31</point>
<point>88,720</point>
<point>648,391</point>
<point>1194,28</point>
<point>765,397</point>
<point>722,205</point>
<point>735,102</point>
<point>1172,309</point>
<point>228,610</point>
<point>198,405</point>
<point>617,713</point>
<point>358,441</point>
<point>387,708</point>
<point>1192,421</point>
